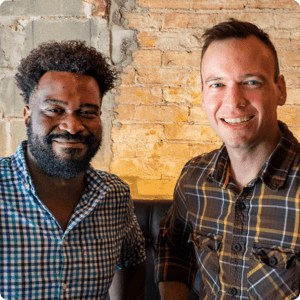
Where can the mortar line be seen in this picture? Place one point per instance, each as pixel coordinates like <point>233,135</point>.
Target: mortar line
<point>32,35</point>
<point>8,149</point>
<point>14,97</point>
<point>90,21</point>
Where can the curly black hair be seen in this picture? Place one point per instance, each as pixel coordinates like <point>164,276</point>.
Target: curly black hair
<point>67,56</point>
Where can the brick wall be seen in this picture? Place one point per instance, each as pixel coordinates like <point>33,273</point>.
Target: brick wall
<point>153,122</point>
<point>159,121</point>
<point>24,24</point>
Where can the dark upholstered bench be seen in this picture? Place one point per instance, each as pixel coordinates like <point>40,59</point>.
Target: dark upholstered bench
<point>149,214</point>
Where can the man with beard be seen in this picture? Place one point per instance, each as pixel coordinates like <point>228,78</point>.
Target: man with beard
<point>66,229</point>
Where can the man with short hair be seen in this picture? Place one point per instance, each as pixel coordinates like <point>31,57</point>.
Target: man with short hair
<point>66,228</point>
<point>236,210</point>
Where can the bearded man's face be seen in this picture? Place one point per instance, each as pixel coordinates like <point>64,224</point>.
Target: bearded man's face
<point>63,123</point>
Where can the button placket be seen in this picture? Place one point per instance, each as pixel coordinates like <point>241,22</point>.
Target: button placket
<point>241,206</point>
<point>238,242</point>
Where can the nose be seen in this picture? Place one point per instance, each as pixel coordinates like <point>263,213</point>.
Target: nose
<point>71,123</point>
<point>234,96</point>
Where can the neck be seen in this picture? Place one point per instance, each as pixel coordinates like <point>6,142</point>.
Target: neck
<point>47,186</point>
<point>246,163</point>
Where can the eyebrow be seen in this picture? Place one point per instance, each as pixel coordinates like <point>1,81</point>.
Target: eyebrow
<point>55,101</point>
<point>64,103</point>
<point>241,77</point>
<point>94,106</point>
<point>213,79</point>
<point>252,75</point>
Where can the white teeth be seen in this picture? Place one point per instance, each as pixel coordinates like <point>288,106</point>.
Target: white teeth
<point>237,120</point>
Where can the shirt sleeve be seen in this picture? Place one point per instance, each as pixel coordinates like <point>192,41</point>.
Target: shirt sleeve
<point>133,244</point>
<point>175,260</point>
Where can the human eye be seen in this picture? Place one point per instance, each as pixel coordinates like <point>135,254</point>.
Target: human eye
<point>89,114</point>
<point>253,83</point>
<point>53,111</point>
<point>217,85</point>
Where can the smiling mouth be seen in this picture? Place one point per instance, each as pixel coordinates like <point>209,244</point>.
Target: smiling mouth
<point>237,121</point>
<point>69,143</point>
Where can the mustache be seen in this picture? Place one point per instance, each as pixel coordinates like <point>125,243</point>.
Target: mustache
<point>77,137</point>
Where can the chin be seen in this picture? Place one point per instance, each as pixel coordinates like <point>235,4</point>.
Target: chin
<point>68,153</point>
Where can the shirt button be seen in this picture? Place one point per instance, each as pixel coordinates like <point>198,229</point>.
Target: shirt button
<point>233,291</point>
<point>272,261</point>
<point>242,206</point>
<point>237,247</point>
<point>64,286</point>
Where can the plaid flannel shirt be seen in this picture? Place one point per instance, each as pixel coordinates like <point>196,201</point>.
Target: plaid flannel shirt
<point>247,244</point>
<point>40,261</point>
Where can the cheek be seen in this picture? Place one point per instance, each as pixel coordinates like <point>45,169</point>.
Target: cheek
<point>263,105</point>
<point>95,128</point>
<point>43,125</point>
<point>211,105</point>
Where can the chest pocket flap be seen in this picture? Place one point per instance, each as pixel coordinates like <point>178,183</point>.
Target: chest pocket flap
<point>207,248</point>
<point>274,273</point>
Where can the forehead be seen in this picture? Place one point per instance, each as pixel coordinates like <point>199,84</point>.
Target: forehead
<point>247,54</point>
<point>67,86</point>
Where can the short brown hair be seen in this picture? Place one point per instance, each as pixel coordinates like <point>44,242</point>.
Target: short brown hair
<point>237,29</point>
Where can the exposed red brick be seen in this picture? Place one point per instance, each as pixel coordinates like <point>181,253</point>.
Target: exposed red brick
<point>100,8</point>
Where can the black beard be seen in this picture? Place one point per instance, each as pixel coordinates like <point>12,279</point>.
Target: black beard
<point>54,166</point>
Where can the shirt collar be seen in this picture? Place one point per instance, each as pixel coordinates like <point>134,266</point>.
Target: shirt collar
<point>275,170</point>
<point>20,166</point>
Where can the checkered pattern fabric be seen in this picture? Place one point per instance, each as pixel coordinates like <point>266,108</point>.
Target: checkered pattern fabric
<point>40,261</point>
<point>246,244</point>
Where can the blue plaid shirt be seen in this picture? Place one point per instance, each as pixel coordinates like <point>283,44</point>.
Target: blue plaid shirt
<point>40,261</point>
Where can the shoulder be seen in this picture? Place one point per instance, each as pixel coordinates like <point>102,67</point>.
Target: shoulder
<point>5,164</point>
<point>295,166</point>
<point>98,178</point>
<point>110,178</point>
<point>16,162</point>
<point>8,174</point>
<point>4,160</point>
<point>288,149</point>
<point>202,161</point>
<point>198,168</point>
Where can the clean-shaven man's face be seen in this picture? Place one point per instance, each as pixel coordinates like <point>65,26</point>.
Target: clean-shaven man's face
<point>239,94</point>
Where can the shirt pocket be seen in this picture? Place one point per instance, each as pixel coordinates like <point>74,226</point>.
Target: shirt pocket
<point>274,273</point>
<point>207,249</point>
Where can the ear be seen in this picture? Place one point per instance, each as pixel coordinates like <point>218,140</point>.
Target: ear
<point>281,99</point>
<point>26,114</point>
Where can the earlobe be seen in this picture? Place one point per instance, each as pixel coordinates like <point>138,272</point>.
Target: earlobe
<point>26,114</point>
<point>282,90</point>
